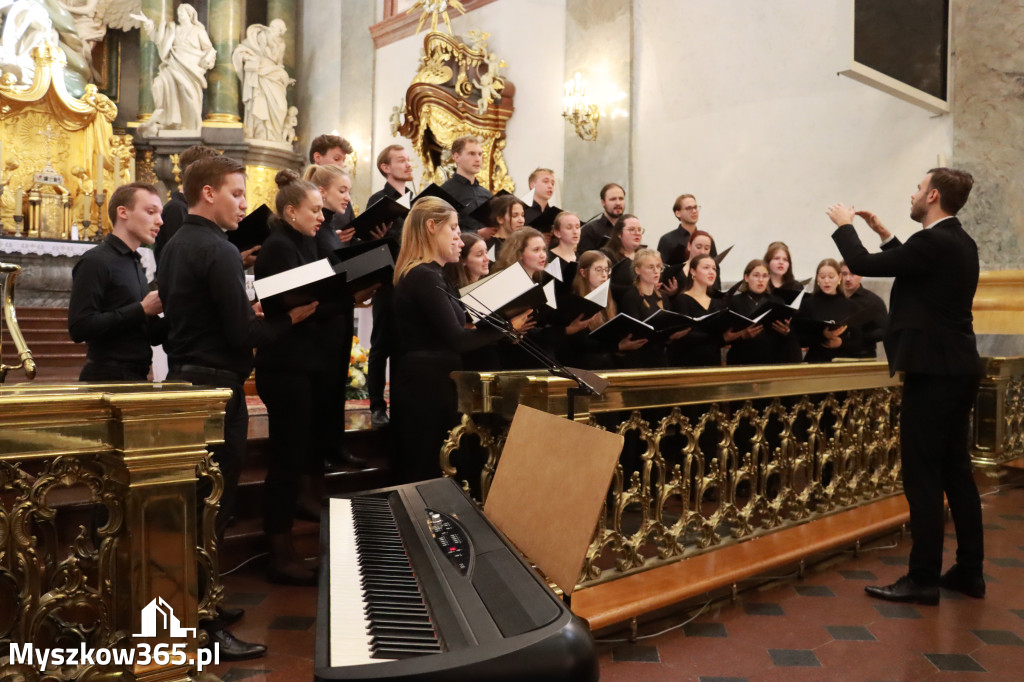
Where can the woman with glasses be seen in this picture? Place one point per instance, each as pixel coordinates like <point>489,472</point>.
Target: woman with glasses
<point>580,349</point>
<point>698,348</point>
<point>625,241</point>
<point>641,301</point>
<point>759,344</point>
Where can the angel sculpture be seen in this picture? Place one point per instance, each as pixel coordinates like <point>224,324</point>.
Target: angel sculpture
<point>489,83</point>
<point>258,61</point>
<point>25,26</point>
<point>186,54</point>
<point>93,18</point>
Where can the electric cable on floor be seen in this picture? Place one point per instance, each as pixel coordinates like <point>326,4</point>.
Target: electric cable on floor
<point>658,634</point>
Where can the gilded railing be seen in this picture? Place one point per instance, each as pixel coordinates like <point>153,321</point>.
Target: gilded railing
<point>8,278</point>
<point>711,457</point>
<point>999,412</point>
<point>99,516</point>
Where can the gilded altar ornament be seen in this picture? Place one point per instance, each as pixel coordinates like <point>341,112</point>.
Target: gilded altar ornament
<point>578,110</point>
<point>458,91</point>
<point>44,128</point>
<point>9,272</point>
<point>433,8</point>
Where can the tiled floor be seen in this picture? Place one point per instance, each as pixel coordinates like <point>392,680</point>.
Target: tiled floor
<point>820,628</point>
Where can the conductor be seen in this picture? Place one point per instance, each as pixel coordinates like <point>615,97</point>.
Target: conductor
<point>930,337</point>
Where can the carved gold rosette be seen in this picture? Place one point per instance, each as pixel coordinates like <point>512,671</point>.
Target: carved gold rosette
<point>43,124</point>
<point>457,92</point>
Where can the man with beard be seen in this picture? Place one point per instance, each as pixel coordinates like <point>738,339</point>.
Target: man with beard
<point>930,338</point>
<point>597,231</point>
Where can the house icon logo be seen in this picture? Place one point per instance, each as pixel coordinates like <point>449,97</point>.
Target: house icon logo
<point>158,615</point>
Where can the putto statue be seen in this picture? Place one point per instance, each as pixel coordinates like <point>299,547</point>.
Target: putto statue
<point>26,25</point>
<point>186,54</point>
<point>258,60</point>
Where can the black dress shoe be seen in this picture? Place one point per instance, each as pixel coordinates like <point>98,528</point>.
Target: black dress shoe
<point>968,582</point>
<point>232,648</point>
<point>350,460</point>
<point>906,590</point>
<point>379,418</point>
<point>228,616</point>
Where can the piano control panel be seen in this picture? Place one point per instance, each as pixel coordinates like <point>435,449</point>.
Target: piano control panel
<point>451,539</point>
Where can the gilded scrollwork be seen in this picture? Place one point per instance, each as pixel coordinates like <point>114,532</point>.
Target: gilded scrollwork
<point>260,187</point>
<point>458,90</point>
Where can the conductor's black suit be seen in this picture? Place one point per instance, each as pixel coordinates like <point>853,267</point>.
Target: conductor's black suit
<point>930,337</point>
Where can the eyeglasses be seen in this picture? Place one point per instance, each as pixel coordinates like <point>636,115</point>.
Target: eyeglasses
<point>634,230</point>
<point>691,208</point>
<point>654,268</point>
<point>600,270</point>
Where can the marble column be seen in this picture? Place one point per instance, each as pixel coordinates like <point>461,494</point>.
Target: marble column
<point>598,44</point>
<point>285,11</point>
<point>149,60</point>
<point>988,129</point>
<point>226,24</point>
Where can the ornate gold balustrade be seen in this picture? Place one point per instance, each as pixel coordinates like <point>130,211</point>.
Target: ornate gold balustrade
<point>999,412</point>
<point>712,456</point>
<point>98,485</point>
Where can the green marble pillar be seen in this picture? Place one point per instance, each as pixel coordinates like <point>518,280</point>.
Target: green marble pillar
<point>226,21</point>
<point>285,11</point>
<point>149,60</point>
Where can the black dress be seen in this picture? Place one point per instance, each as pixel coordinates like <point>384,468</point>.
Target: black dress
<point>767,348</point>
<point>641,306</point>
<point>297,378</point>
<point>430,336</point>
<point>822,306</point>
<point>698,348</point>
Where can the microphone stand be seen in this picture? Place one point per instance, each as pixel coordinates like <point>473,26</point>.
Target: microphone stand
<point>587,383</point>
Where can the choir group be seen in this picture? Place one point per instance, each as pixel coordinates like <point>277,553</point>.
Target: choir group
<point>638,306</point>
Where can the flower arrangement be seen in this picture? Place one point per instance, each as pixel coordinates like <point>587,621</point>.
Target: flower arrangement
<point>356,387</point>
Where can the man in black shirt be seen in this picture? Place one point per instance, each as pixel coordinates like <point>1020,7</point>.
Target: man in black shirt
<point>542,182</point>
<point>872,324</point>
<point>112,309</point>
<point>464,186</point>
<point>176,207</point>
<point>394,164</point>
<point>673,245</point>
<point>212,328</point>
<point>596,232</point>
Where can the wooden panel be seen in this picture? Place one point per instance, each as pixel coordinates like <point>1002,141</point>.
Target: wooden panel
<point>619,600</point>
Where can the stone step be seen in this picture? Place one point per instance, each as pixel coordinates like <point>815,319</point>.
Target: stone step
<point>50,348</point>
<point>27,323</point>
<point>36,334</point>
<point>38,312</point>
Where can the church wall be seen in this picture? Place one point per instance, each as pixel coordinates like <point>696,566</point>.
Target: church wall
<point>530,36</point>
<point>318,52</point>
<point>739,103</point>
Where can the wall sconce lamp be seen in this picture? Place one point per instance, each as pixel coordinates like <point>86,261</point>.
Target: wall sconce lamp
<point>578,110</point>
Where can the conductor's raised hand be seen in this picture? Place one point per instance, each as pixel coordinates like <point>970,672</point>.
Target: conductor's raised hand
<point>875,224</point>
<point>840,214</point>
<point>523,322</point>
<point>299,313</point>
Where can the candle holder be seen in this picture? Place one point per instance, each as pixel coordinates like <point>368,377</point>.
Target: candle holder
<point>99,198</point>
<point>18,220</point>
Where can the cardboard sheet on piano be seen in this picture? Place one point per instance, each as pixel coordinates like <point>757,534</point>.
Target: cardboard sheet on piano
<point>547,493</point>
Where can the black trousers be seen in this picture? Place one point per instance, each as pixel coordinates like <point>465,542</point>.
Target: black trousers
<point>380,346</point>
<point>230,454</point>
<point>424,408</point>
<point>934,431</point>
<point>302,410</point>
<point>102,371</point>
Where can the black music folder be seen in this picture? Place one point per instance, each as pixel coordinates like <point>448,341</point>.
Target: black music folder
<point>385,211</point>
<point>546,220</point>
<point>367,263</point>
<point>434,190</point>
<point>316,281</point>
<point>252,230</point>
<point>669,321</point>
<point>809,328</point>
<point>571,305</point>
<point>621,326</point>
<point>765,314</point>
<point>721,257</point>
<point>508,293</point>
<point>673,271</point>
<point>482,213</point>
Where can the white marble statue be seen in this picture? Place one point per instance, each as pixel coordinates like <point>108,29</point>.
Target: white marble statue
<point>26,24</point>
<point>258,60</point>
<point>93,18</point>
<point>186,54</point>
